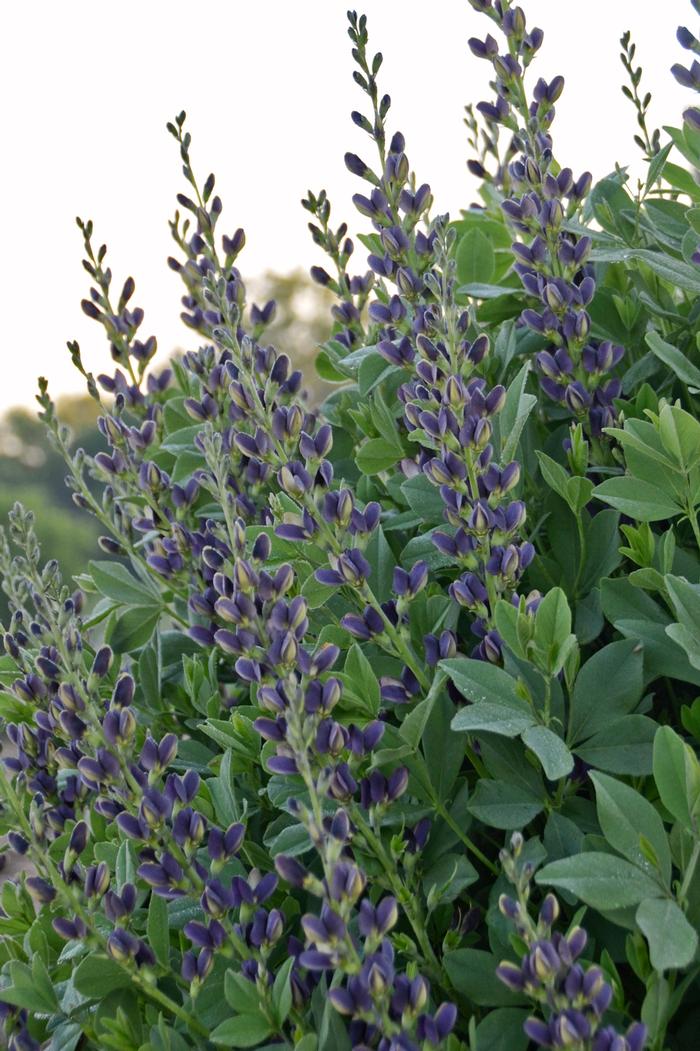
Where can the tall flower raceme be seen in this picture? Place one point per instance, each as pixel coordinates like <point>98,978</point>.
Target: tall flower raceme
<point>572,996</point>
<point>448,408</point>
<point>689,76</point>
<point>352,291</point>
<point>281,440</point>
<point>491,159</point>
<point>121,323</point>
<point>295,446</point>
<point>576,370</point>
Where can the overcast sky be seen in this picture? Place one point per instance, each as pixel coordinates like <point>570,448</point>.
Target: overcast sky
<point>87,88</point>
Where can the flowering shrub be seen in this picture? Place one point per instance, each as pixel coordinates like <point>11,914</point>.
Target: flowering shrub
<point>377,727</point>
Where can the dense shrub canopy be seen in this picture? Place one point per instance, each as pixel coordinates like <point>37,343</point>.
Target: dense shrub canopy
<point>376,726</point>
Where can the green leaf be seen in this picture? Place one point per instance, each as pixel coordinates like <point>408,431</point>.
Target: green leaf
<point>608,686</point>
<point>373,369</point>
<point>506,719</point>
<point>637,498</point>
<point>377,455</point>
<point>149,676</point>
<point>675,359</point>
<point>623,747</point>
<point>552,635</point>
<point>133,628</point>
<point>655,1006</point>
<point>502,1030</point>
<point>422,548</point>
<point>65,1037</point>
<point>241,994</point>
<point>292,840</point>
<point>244,1031</point>
<point>473,974</point>
<point>330,363</point>
<point>96,976</point>
<point>513,417</point>
<point>157,929</point>
<point>476,260</point>
<point>677,775</point>
<point>609,202</point>
<point>125,869</point>
<point>316,594</point>
<point>382,562</point>
<point>625,816</point>
<point>681,179</point>
<point>562,837</point>
<point>506,760</point>
<point>30,987</point>
<point>307,1043</point>
<point>678,274</point>
<point>556,759</point>
<point>578,493</point>
<point>688,638</point>
<point>656,165</point>
<point>414,724</point>
<point>603,881</point>
<point>424,498</point>
<point>331,1030</point>
<point>116,582</point>
<point>680,436</point>
<point>361,679</point>
<point>479,290</point>
<point>448,877</point>
<point>282,991</point>
<point>553,473</point>
<point>502,804</point>
<point>480,681</point>
<point>496,706</point>
<point>384,419</point>
<point>685,598</point>
<point>637,616</point>
<point>182,440</point>
<point>443,751</point>
<point>672,941</point>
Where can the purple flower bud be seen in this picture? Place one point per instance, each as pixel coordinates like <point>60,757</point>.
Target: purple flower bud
<point>40,890</point>
<point>102,662</point>
<point>290,870</point>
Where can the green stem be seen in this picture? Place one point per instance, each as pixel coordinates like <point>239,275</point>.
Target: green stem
<point>468,843</point>
<point>582,554</point>
<point>693,519</point>
<point>689,872</point>
<point>408,902</point>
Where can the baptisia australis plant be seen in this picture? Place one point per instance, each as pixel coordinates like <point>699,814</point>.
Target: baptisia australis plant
<point>262,759</point>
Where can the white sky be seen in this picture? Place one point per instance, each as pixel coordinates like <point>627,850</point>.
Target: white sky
<point>88,86</point>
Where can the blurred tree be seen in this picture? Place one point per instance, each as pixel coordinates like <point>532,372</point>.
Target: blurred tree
<point>301,323</point>
<point>32,473</point>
